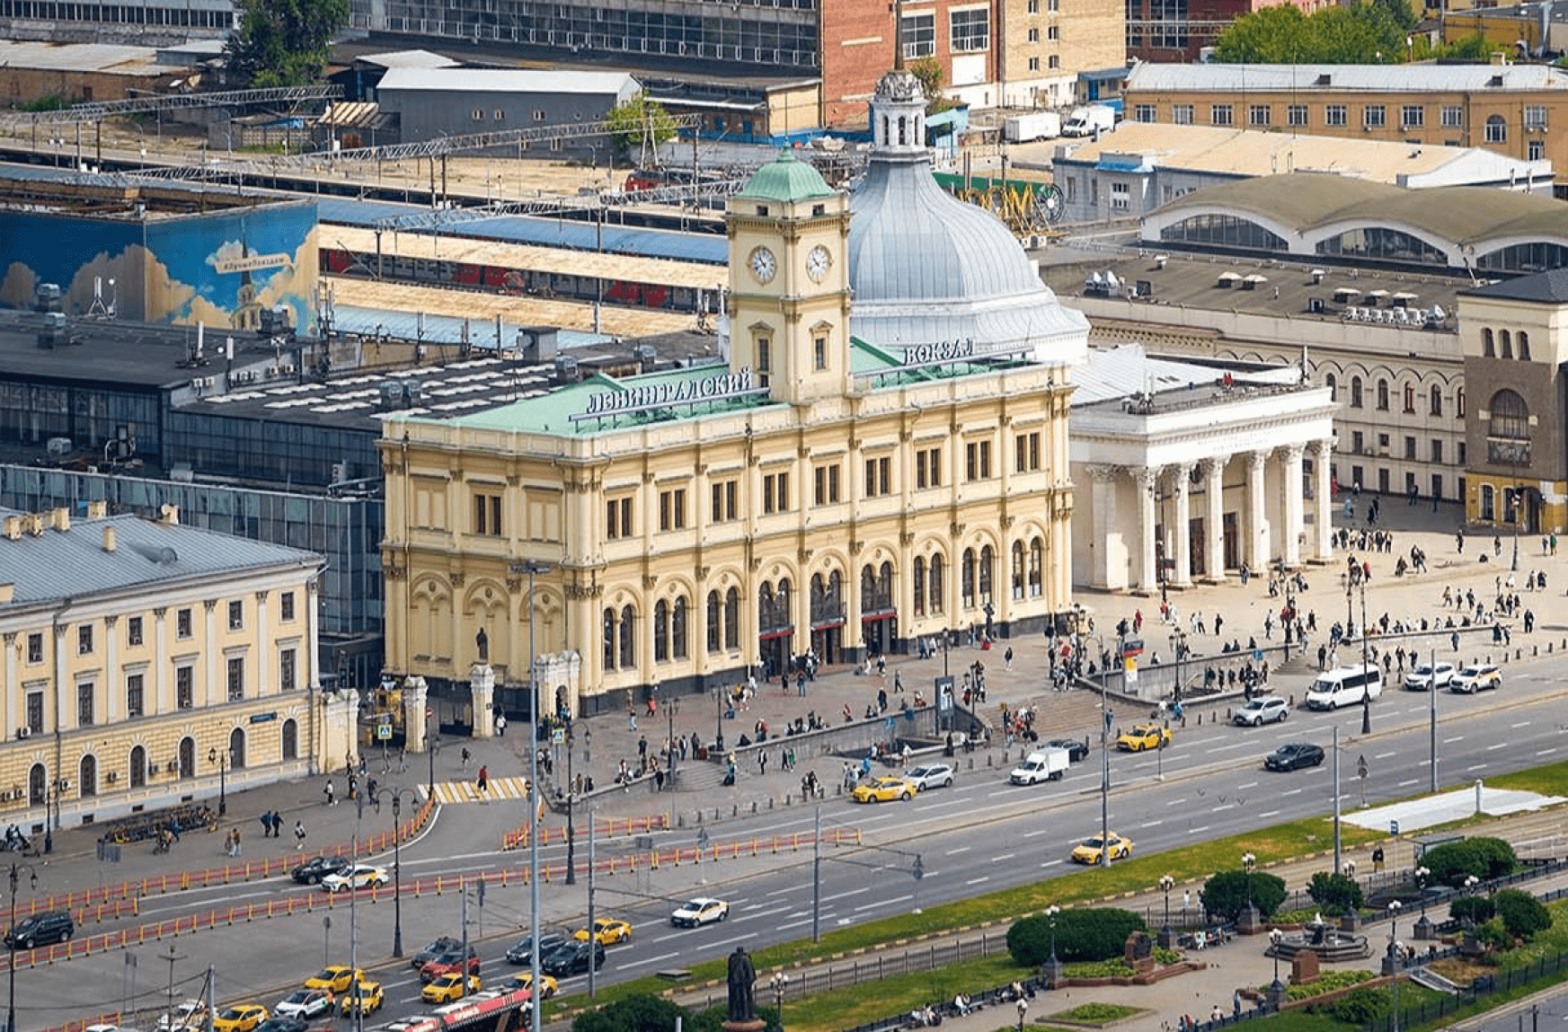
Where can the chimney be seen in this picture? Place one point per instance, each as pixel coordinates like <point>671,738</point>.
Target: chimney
<point>171,515</point>
<point>60,519</point>
<point>97,510</point>
<point>109,541</point>
<point>35,525</point>
<point>7,593</point>
<point>13,528</point>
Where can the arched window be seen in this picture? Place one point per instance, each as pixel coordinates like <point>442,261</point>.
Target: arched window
<point>1410,398</point>
<point>1488,502</point>
<point>1355,392</point>
<point>1333,387</point>
<point>987,570</point>
<point>1510,417</point>
<point>609,638</point>
<point>1524,346</point>
<point>732,619</point>
<point>765,620</point>
<point>139,766</point>
<point>781,604</point>
<point>187,760</point>
<point>1488,348</point>
<point>1437,400</point>
<point>1506,342</point>
<point>678,628</point>
<point>1382,395</point>
<point>237,749</point>
<point>37,782</point>
<point>1017,571</point>
<point>1036,567</point>
<point>291,739</point>
<point>966,580</point>
<point>715,622</point>
<point>628,631</point>
<point>934,590</point>
<point>903,130</point>
<point>1459,403</point>
<point>1497,129</point>
<point>87,776</point>
<point>919,574</point>
<point>661,631</point>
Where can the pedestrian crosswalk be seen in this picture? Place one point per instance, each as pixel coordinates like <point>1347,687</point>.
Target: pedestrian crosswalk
<point>452,792</point>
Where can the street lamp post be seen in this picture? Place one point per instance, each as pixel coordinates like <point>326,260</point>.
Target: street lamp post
<point>1167,940</point>
<point>533,567</point>
<point>1050,913</point>
<point>1276,988</point>
<point>1248,862</point>
<point>571,804</point>
<point>1179,647</point>
<point>432,746</point>
<point>1105,768</point>
<point>777,984</point>
<point>16,874</point>
<point>221,758</point>
<point>1395,959</point>
<point>397,865</point>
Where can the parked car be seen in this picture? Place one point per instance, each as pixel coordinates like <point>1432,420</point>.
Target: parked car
<point>1076,748</point>
<point>44,929</point>
<point>316,868</point>
<point>445,944</point>
<point>1429,676</point>
<point>447,963</point>
<point>304,1003</point>
<point>1476,678</point>
<point>1089,850</point>
<point>572,959</point>
<point>1294,755</point>
<point>1144,736</point>
<point>1264,709</point>
<point>522,952</point>
<point>930,775</point>
<point>700,911</point>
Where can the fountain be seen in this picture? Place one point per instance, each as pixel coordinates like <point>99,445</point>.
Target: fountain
<point>1331,944</point>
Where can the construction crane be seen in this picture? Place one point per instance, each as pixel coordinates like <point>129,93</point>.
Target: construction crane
<point>159,102</point>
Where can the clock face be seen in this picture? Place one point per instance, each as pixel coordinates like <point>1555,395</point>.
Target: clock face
<point>763,265</point>
<point>818,262</point>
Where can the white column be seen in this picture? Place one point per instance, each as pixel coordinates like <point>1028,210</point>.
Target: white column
<point>1214,522</point>
<point>162,675</point>
<point>1148,572</point>
<point>1257,545</point>
<point>312,634</point>
<point>1182,474</point>
<point>1323,510</point>
<point>1295,520</point>
<point>265,656</point>
<point>1108,567</point>
<point>215,690</point>
<point>113,680</point>
<point>13,695</point>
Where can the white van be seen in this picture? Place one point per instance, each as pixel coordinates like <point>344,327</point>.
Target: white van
<point>1345,686</point>
<point>1045,765</point>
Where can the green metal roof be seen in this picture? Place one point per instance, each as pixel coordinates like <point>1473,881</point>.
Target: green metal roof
<point>786,179</point>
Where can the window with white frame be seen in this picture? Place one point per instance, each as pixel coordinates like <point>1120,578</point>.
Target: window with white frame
<point>1496,129</point>
<point>917,33</point>
<point>1412,116</point>
<point>1220,114</point>
<point>1453,116</point>
<point>1374,116</point>
<point>1296,114</point>
<point>1335,114</point>
<point>1143,113</point>
<point>1258,114</point>
<point>1121,196</point>
<point>970,29</point>
<point>1181,114</point>
<point>1535,117</point>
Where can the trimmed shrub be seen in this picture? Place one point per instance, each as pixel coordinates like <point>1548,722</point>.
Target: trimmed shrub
<point>1225,894</point>
<point>1362,1006</point>
<point>1335,893</point>
<point>1493,934</point>
<point>1478,909</point>
<point>1522,914</point>
<point>642,1012</point>
<point>1483,858</point>
<point>1081,935</point>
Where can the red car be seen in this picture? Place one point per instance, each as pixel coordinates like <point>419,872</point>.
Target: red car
<point>449,963</point>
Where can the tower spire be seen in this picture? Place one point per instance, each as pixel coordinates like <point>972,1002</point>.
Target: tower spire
<point>898,35</point>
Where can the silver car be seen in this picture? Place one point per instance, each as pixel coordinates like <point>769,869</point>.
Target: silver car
<point>1265,709</point>
<point>930,775</point>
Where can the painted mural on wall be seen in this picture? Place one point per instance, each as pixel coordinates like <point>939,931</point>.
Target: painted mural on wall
<point>220,268</point>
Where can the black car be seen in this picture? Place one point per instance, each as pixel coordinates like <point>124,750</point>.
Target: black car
<point>445,944</point>
<point>318,867</point>
<point>41,930</point>
<point>1294,755</point>
<point>279,1024</point>
<point>1076,750</point>
<point>522,953</point>
<point>572,959</point>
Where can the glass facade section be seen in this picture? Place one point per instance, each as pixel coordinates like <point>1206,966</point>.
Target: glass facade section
<point>1537,256</point>
<point>254,449</point>
<point>1222,230</point>
<point>1379,242</point>
<point>90,416</point>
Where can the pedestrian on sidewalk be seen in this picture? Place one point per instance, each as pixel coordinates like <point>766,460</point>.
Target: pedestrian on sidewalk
<point>484,778</point>
<point>266,823</point>
<point>331,793</point>
<point>239,848</point>
<point>465,756</point>
<point>1007,658</point>
<point>631,720</point>
<point>299,835</point>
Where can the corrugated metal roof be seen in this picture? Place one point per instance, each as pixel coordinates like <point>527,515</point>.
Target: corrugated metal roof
<point>1125,370</point>
<point>1396,78</point>
<point>72,563</point>
<point>446,329</point>
<point>505,80</point>
<point>80,57</point>
<point>408,59</point>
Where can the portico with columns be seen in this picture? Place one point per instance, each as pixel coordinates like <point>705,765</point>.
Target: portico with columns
<point>1197,474</point>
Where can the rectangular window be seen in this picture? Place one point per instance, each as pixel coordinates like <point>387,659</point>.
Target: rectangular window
<point>184,687</point>
<point>84,640</point>
<point>84,704</point>
<point>35,648</point>
<point>1034,6</point>
<point>135,685</point>
<point>1296,114</point>
<point>878,476</point>
<point>1412,116</point>
<point>1258,114</point>
<point>236,678</point>
<point>1461,458</point>
<point>1437,450</point>
<point>1026,453</point>
<point>1181,114</point>
<point>1034,64</point>
<point>672,509</point>
<point>35,712</point>
<point>819,353</point>
<point>970,30</point>
<point>723,501</point>
<point>487,515</point>
<point>764,357</point>
<point>1536,151</point>
<point>1121,196</point>
<point>1220,114</point>
<point>1374,116</point>
<point>133,631</point>
<point>1034,35</point>
<point>1053,32</point>
<point>1358,442</point>
<point>1336,115</point>
<point>182,624</point>
<point>928,468</point>
<point>775,493</point>
<point>977,460</point>
<point>286,670</point>
<point>1453,116</point>
<point>1054,61</point>
<point>286,605</point>
<point>539,115</point>
<point>826,490</point>
<point>1535,118</point>
<point>918,35</point>
<point>618,518</point>
<point>236,616</point>
<point>1144,113</point>
<point>1410,448</point>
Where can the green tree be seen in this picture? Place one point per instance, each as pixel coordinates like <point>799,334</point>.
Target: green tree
<point>1081,935</point>
<point>1481,857</point>
<point>1225,894</point>
<point>641,1012</point>
<point>640,123</point>
<point>284,42</point>
<point>1335,893</point>
<point>1368,32</point>
<point>1271,35</point>
<point>928,72</point>
<point>1521,913</point>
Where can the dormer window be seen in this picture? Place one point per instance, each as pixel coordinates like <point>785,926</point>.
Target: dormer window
<point>819,209</point>
<point>762,209</point>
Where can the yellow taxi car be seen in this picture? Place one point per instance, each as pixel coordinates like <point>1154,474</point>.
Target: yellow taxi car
<point>1088,851</point>
<point>547,984</point>
<point>242,1017</point>
<point>884,789</point>
<point>336,977</point>
<point>607,931</point>
<point>448,988</point>
<point>1143,736</point>
<point>370,998</point>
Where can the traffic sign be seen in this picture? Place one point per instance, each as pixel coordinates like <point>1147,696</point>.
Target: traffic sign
<point>384,732</point>
<point>557,735</point>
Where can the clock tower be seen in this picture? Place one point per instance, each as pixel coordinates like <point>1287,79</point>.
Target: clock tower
<point>789,294</point>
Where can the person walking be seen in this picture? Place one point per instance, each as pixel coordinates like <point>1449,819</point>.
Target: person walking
<point>299,835</point>
<point>331,793</point>
<point>239,848</point>
<point>484,778</point>
<point>1007,658</point>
